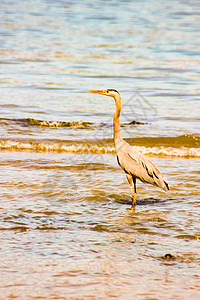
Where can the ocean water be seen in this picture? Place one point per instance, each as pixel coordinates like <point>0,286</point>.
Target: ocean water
<point>65,228</point>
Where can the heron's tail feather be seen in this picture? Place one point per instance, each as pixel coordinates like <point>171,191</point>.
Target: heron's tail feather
<point>166,186</point>
<point>162,182</point>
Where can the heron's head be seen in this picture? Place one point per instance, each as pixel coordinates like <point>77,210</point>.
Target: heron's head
<point>108,92</point>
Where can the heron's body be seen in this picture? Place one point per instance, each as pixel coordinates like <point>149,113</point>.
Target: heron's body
<point>134,164</point>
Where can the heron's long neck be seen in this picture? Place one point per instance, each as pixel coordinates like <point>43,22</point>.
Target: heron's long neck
<point>117,130</point>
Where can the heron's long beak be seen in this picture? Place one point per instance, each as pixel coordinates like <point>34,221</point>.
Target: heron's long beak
<point>97,92</point>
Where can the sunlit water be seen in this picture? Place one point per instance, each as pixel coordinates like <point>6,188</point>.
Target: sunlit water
<point>65,228</point>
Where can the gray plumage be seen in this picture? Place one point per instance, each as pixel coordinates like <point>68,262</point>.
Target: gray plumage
<point>137,165</point>
<point>134,164</point>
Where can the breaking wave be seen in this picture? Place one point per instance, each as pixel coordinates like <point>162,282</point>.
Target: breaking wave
<point>46,123</point>
<point>164,146</point>
<point>101,147</point>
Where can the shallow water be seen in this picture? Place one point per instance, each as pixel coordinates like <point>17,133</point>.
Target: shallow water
<point>66,223</point>
<point>65,228</point>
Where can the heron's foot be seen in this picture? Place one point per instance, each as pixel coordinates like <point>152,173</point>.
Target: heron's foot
<point>134,198</point>
<point>132,209</point>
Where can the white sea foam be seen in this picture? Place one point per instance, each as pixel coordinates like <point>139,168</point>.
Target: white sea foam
<point>97,149</point>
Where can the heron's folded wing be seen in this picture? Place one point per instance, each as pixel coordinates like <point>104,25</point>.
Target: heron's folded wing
<point>138,165</point>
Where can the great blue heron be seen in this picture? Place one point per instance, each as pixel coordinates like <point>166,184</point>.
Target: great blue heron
<point>134,164</point>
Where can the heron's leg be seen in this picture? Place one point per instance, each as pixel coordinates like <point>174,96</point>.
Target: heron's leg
<point>134,197</point>
<point>132,180</point>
